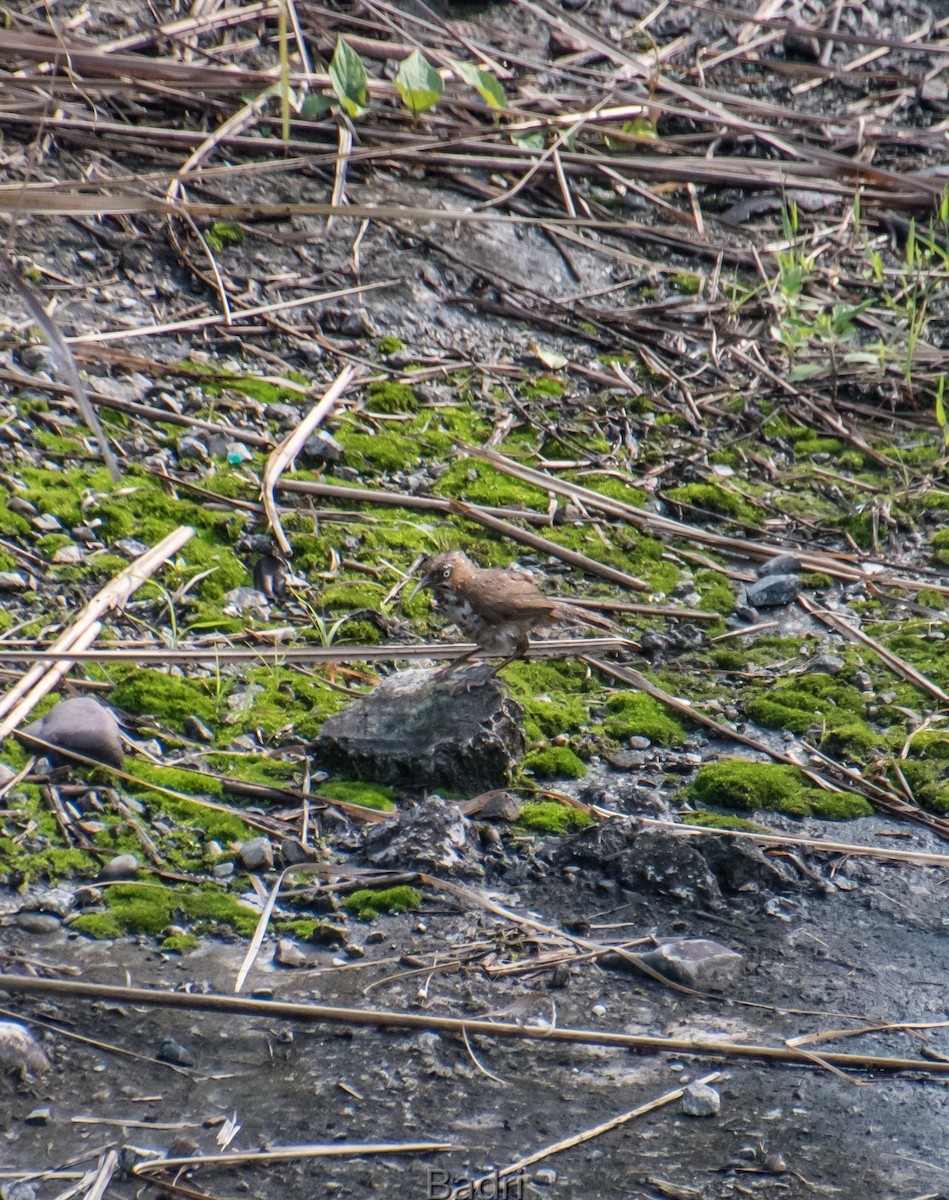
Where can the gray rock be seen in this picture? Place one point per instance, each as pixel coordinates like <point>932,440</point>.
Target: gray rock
<point>83,725</point>
<point>19,1050</point>
<point>697,963</point>
<point>418,730</point>
<point>639,743</point>
<point>195,728</point>
<point>431,836</point>
<point>545,1177</point>
<point>772,591</point>
<point>323,447</point>
<point>781,564</point>
<point>172,1051</point>
<point>700,1100</point>
<point>627,760</point>
<point>46,523</point>
<point>256,854</point>
<point>68,555</point>
<point>123,866</point>
<point>293,852</point>
<point>192,447</point>
<point>830,664</point>
<point>222,870</point>
<point>289,954</point>
<point>245,600</point>
<point>284,414</point>
<point>12,581</point>
<point>37,923</point>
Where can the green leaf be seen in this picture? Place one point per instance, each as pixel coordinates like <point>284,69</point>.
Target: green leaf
<point>804,371</point>
<point>419,84</point>
<point>483,82</point>
<point>315,106</point>
<point>940,406</point>
<point>532,140</point>
<point>348,77</point>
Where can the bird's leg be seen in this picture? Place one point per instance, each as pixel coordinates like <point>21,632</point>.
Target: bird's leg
<point>520,651</point>
<point>457,662</point>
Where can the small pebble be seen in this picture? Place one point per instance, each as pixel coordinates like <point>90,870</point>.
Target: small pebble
<point>700,1100</point>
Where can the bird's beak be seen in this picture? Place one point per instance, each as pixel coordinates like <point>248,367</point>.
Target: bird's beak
<point>422,583</point>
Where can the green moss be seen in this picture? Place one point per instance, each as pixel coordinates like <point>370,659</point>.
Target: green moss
<point>686,283</point>
<point>150,908</point>
<point>737,783</point>
<point>390,345</point>
<point>552,694</point>
<point>543,386</point>
<point>146,691</point>
<point>554,762</point>
<point>929,783</point>
<point>367,904</point>
<point>636,714</point>
<point>717,592</point>
<point>388,452</point>
<point>223,233</point>
<point>389,397</point>
<point>849,739</point>
<point>550,816</point>
<point>838,806</point>
<point>180,943</point>
<point>712,498</point>
<point>771,714</point>
<point>479,483</point>
<point>369,795</point>
<point>715,820</point>
<point>97,925</point>
<point>178,779</point>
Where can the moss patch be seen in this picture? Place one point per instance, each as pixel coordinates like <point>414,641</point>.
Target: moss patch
<point>150,909</point>
<point>550,816</point>
<point>367,904</point>
<point>632,714</point>
<point>554,762</point>
<point>755,786</point>
<point>369,795</point>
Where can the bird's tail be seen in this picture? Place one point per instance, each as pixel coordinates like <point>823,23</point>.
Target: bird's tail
<point>583,616</point>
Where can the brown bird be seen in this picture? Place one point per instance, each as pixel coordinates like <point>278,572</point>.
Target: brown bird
<point>495,609</point>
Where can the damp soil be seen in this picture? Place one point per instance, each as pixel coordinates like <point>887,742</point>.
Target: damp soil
<point>869,949</point>
<point>854,944</point>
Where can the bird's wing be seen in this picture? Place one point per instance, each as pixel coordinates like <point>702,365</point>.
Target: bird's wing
<point>506,597</point>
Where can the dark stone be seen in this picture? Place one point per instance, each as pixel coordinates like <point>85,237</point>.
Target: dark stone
<point>801,46</point>
<point>417,729</point>
<point>693,870</point>
<point>323,447</point>
<point>123,866</point>
<point>82,725</point>
<point>781,564</point>
<point>697,963</point>
<point>433,836</point>
<point>293,852</point>
<point>195,728</point>
<point>256,854</point>
<point>171,1051</point>
<point>773,590</point>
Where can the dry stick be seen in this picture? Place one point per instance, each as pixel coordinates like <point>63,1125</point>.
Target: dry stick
<point>314,1150</point>
<point>472,513</point>
<point>50,678</point>
<point>896,664</point>
<point>291,446</point>
<point>386,1019</point>
<point>334,491</point>
<point>213,654</point>
<point>115,593</point>
<point>64,360</point>
<point>578,1139</point>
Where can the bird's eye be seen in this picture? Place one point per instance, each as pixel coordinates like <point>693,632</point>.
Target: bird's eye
<point>446,573</point>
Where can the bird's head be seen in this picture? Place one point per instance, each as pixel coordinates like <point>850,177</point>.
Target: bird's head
<point>442,569</point>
